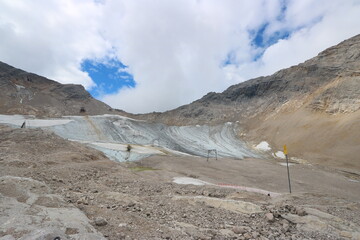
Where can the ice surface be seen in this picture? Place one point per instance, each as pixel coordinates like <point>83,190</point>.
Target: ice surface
<point>18,120</point>
<point>134,148</point>
<point>14,120</point>
<point>46,123</point>
<point>284,164</point>
<point>112,133</point>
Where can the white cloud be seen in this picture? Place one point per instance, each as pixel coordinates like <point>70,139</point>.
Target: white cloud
<point>51,38</point>
<point>314,26</point>
<point>174,48</point>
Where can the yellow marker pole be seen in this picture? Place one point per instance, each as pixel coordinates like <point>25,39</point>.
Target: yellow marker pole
<point>285,150</point>
<point>287,165</point>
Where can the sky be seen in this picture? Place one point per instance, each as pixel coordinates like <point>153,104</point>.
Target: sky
<point>155,55</point>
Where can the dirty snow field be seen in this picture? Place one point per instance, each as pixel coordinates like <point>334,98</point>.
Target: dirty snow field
<point>112,133</point>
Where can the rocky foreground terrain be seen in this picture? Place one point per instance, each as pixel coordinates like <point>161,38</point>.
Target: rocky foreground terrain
<point>51,188</point>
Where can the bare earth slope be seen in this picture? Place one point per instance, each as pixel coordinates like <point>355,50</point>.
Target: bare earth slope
<point>312,107</point>
<point>30,94</point>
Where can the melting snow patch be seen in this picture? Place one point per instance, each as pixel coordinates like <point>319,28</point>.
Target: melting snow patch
<point>18,87</point>
<point>263,146</point>
<point>284,164</point>
<point>279,154</point>
<point>188,180</point>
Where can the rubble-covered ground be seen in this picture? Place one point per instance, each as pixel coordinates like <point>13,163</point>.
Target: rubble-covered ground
<point>52,188</point>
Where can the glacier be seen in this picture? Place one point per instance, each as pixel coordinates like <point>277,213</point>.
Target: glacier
<point>112,134</point>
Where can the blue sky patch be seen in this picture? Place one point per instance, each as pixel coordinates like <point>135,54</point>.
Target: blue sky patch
<point>110,75</point>
<point>283,9</point>
<point>260,38</point>
<point>230,59</point>
<point>260,41</point>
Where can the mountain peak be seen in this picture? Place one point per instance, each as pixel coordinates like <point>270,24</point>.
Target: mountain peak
<point>30,94</point>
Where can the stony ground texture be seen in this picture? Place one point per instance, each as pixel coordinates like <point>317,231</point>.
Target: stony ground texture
<point>64,189</point>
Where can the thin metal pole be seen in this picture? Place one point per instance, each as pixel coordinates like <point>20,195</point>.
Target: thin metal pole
<point>288,172</point>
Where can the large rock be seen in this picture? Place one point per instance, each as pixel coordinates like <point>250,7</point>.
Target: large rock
<point>319,221</point>
<point>29,211</point>
<point>99,221</point>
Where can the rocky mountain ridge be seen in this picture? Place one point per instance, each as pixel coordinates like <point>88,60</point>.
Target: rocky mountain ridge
<point>30,94</point>
<point>327,83</point>
<point>312,107</point>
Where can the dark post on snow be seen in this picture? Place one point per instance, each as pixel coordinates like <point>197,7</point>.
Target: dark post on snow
<point>287,166</point>
<point>211,151</point>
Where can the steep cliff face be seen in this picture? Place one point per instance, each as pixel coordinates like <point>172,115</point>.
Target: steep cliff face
<point>312,107</point>
<point>30,94</point>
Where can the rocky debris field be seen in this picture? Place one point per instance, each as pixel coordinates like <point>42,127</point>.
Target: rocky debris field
<point>51,188</point>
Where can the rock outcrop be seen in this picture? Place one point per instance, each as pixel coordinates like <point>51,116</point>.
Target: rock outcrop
<point>30,211</point>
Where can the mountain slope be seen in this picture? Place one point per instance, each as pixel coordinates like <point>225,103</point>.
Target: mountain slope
<point>312,107</point>
<point>30,94</point>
